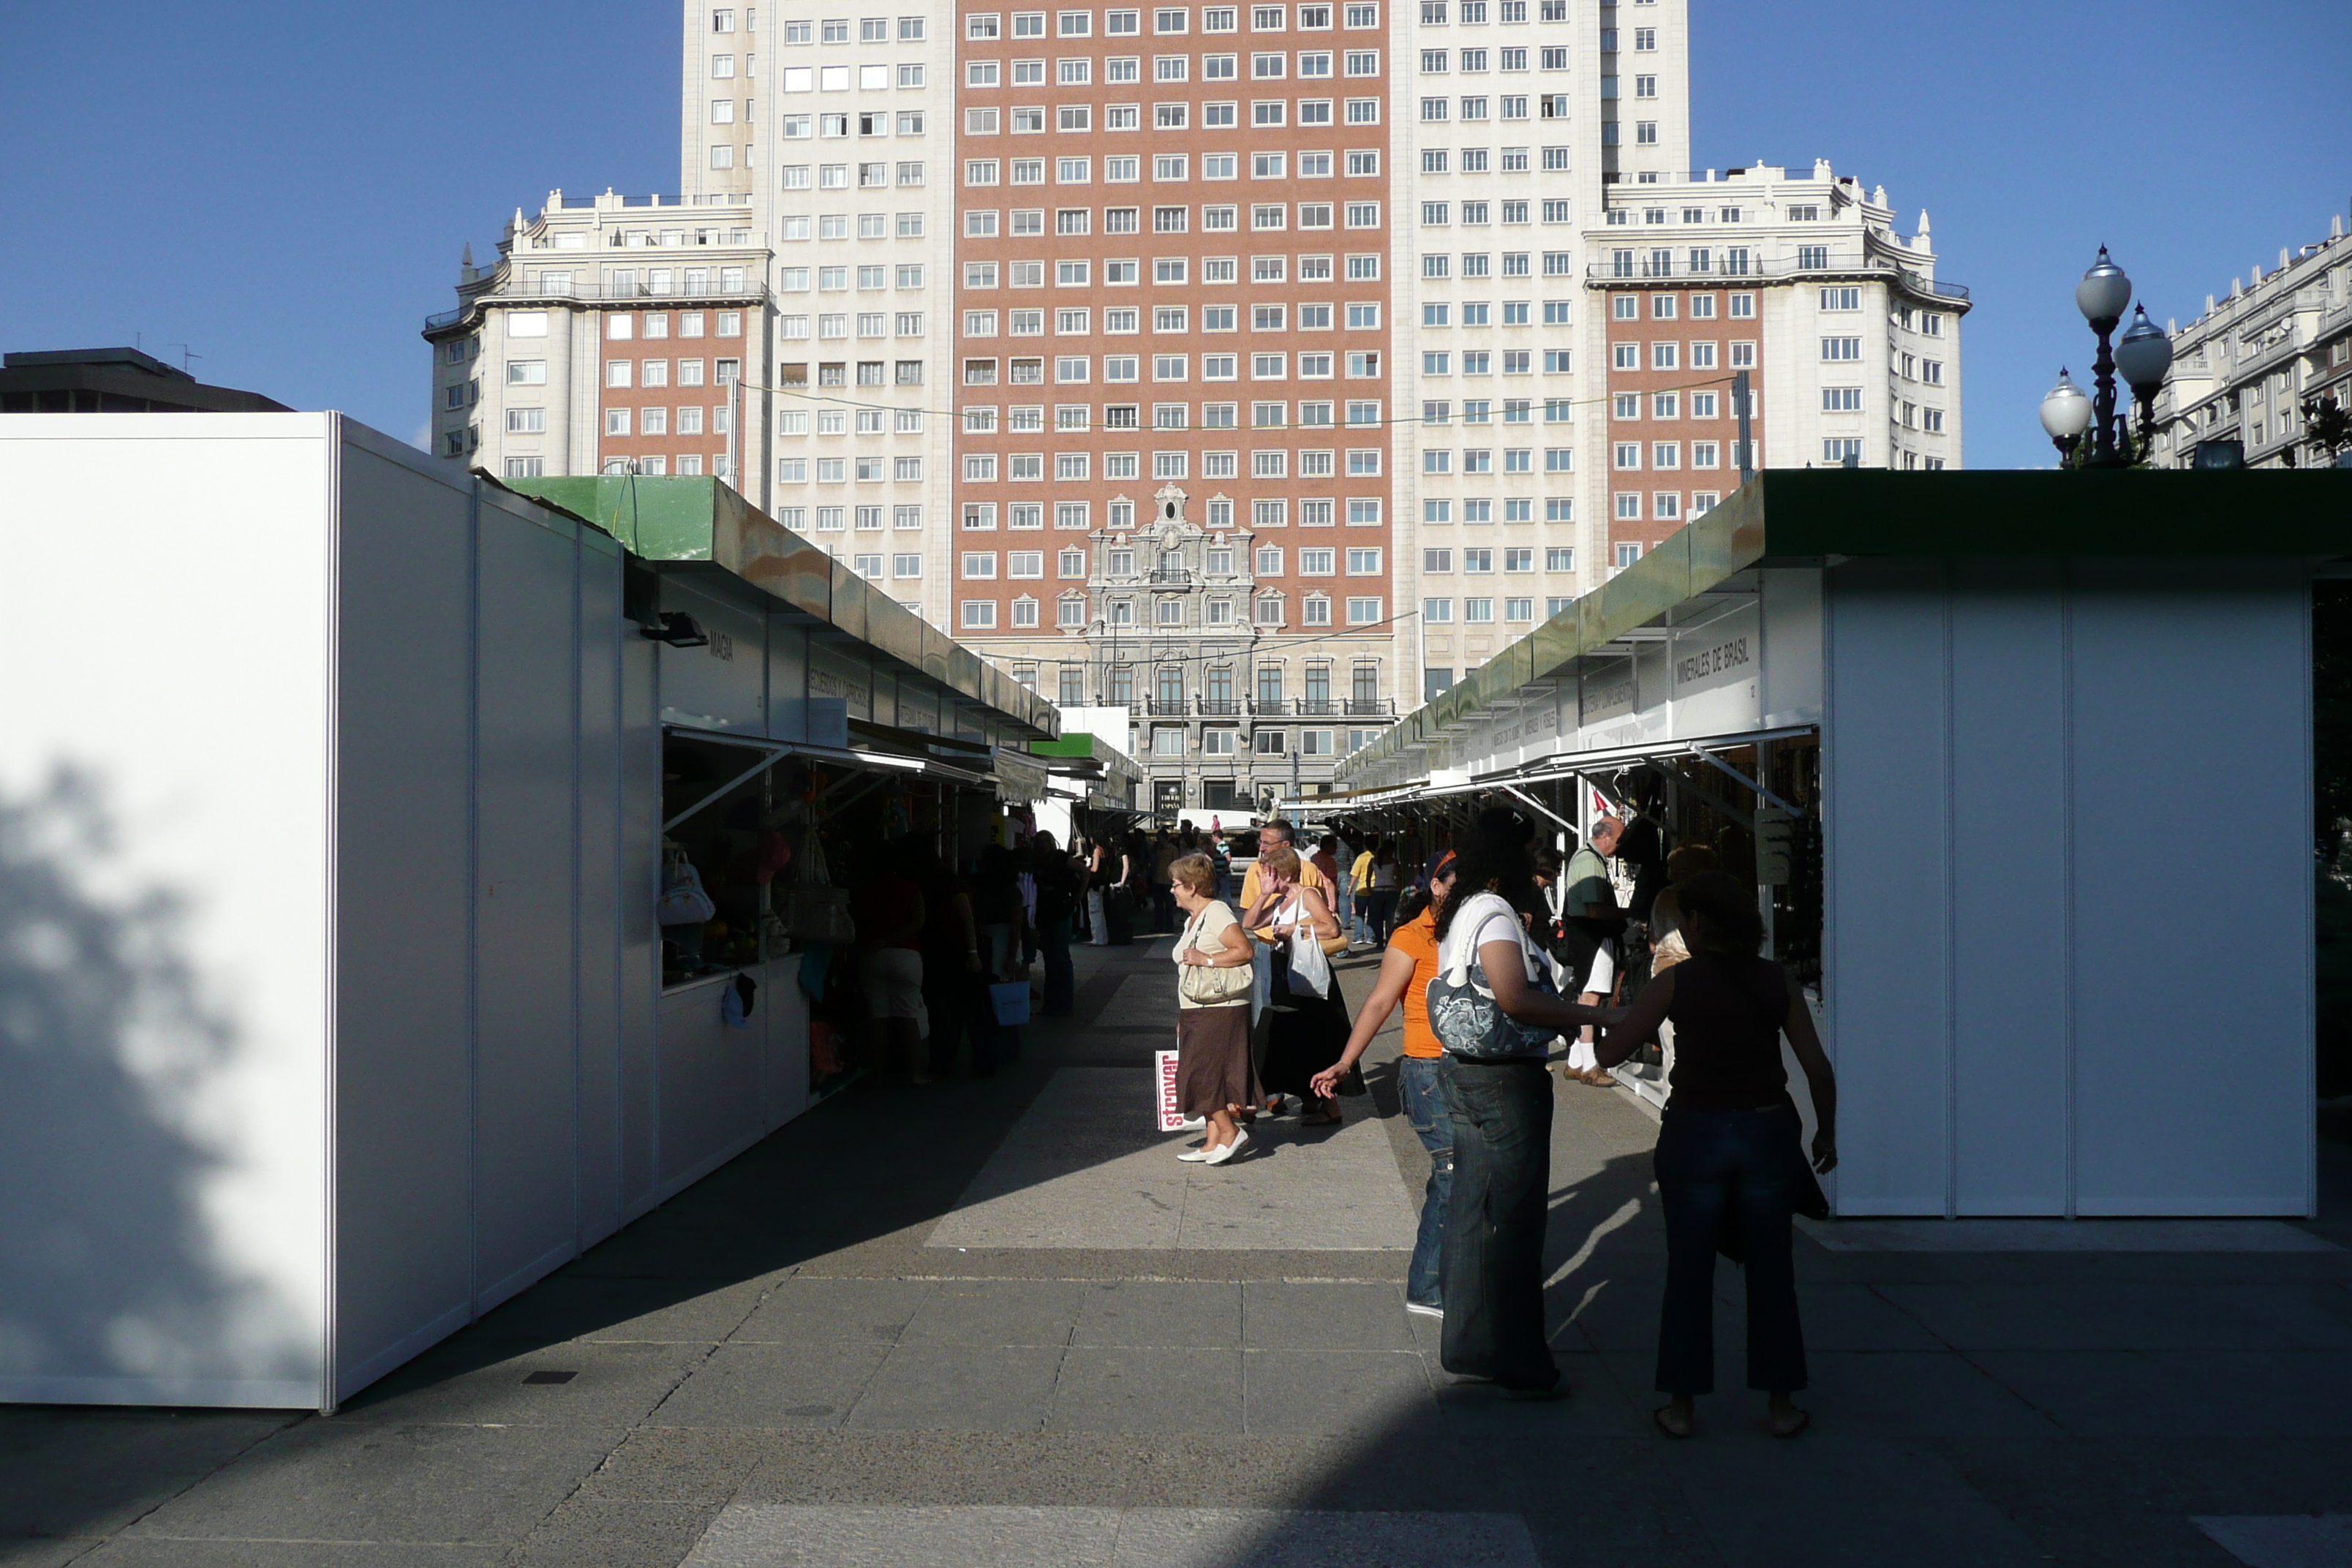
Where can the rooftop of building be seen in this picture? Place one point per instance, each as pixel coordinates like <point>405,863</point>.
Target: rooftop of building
<point>115,381</point>
<point>2296,269</point>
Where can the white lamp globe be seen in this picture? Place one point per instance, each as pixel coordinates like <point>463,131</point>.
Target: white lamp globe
<point>2065,410</point>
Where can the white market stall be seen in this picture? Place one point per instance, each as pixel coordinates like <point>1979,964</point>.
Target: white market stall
<point>1974,696</point>
<point>331,789</point>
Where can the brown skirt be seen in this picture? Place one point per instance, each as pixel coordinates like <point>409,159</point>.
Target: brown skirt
<point>1212,1059</point>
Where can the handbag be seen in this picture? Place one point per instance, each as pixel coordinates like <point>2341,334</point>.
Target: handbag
<point>1310,971</point>
<point>1462,1012</point>
<point>683,903</point>
<point>1205,986</point>
<point>812,910</point>
<point>1010,998</point>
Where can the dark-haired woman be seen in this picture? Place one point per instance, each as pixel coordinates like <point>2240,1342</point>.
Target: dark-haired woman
<point>1492,1269</point>
<point>1729,1142</point>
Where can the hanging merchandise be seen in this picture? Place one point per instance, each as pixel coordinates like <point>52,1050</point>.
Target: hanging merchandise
<point>811,907</point>
<point>683,903</point>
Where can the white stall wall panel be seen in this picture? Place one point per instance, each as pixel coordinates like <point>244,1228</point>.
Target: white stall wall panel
<point>163,846</point>
<point>2179,888</point>
<point>1883,817</point>
<point>1792,644</point>
<point>403,799</point>
<point>784,1082</point>
<point>640,936</point>
<point>709,1087</point>
<point>526,839</point>
<point>603,983</point>
<point>2007,676</point>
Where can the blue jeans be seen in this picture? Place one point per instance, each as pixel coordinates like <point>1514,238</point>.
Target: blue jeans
<point>1061,981</point>
<point>1346,911</point>
<point>1492,1270</point>
<point>1380,910</point>
<point>1711,1164</point>
<point>1424,1107</point>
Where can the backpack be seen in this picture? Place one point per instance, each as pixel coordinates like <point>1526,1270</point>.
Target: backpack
<point>1461,1010</point>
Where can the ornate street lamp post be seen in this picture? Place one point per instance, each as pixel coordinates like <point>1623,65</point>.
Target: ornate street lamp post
<point>2143,355</point>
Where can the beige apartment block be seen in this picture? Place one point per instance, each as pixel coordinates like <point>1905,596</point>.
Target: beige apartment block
<point>2244,369</point>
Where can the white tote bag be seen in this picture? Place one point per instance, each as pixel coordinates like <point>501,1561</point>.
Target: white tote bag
<point>1310,971</point>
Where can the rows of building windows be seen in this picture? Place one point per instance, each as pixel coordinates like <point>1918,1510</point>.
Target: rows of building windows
<point>871,277</point>
<point>1074,468</point>
<point>984,27</point>
<point>1666,457</point>
<point>902,518</point>
<point>1123,70</point>
<point>865,373</point>
<point>1508,361</point>
<point>1696,404</point>
<point>1701,355</point>
<point>1437,62</point>
<point>1476,509</point>
<point>620,372</point>
<point>880,176</point>
<point>1476,215</point>
<point>1077,370</point>
<point>1486,160</point>
<point>842,124</point>
<point>1024,612</point>
<point>1077,320</point>
<point>1438,266</point>
<point>1474,13</point>
<point>1265,513</point>
<point>1662,506</point>
<point>981,565</point>
<point>1479,610</point>
<point>864,470</point>
<point>1480,559</point>
<point>837,421</point>
<point>1168,269</point>
<point>798,227</point>
<point>980,420</point>
<point>1173,167</point>
<point>1482,460</point>
<point>1477,108</point>
<point>685,419</point>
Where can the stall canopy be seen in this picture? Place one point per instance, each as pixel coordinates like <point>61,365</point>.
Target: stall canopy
<point>687,524</point>
<point>1560,674</point>
<point>1089,768</point>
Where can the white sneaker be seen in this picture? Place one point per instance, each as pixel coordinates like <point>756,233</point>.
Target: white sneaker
<point>1224,1153</point>
<point>1426,1311</point>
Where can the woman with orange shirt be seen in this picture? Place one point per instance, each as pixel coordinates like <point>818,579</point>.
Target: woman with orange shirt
<point>1406,970</point>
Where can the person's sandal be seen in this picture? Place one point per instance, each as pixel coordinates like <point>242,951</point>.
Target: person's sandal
<point>1789,1425</point>
<point>1659,1417</point>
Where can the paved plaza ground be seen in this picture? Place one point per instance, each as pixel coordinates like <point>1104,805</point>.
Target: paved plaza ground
<point>996,1322</point>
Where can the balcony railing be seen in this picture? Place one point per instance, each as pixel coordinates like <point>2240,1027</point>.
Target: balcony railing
<point>1318,708</point>
<point>1371,706</point>
<point>1166,707</point>
<point>1222,708</point>
<point>1636,270</point>
<point>1268,706</point>
<point>1168,577</point>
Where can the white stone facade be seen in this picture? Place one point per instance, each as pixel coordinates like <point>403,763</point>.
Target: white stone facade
<point>2244,369</point>
<point>612,334</point>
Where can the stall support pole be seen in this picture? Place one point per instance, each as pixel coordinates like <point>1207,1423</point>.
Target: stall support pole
<point>1763,889</point>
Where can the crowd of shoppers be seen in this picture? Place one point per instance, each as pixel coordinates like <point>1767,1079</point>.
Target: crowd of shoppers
<point>1498,954</point>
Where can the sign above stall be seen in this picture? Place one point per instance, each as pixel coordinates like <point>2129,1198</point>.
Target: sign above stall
<point>833,674</point>
<point>1714,672</point>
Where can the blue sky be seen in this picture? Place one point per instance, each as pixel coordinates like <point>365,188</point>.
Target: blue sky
<point>285,188</point>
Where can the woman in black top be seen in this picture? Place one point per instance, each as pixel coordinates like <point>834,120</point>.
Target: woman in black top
<point>1730,1144</point>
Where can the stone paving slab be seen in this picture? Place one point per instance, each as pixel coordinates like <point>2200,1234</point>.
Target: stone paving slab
<point>1083,1168</point>
<point>782,1536</point>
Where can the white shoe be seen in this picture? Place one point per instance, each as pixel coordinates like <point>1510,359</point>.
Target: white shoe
<point>1224,1153</point>
<point>1194,1124</point>
<point>1194,1156</point>
<point>1425,1311</point>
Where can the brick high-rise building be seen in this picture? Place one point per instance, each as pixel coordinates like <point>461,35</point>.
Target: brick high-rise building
<point>1229,361</point>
